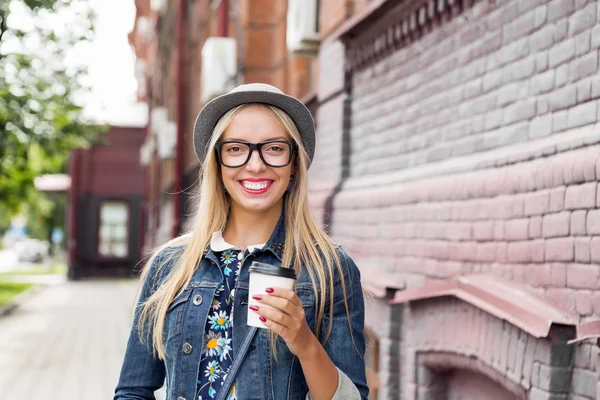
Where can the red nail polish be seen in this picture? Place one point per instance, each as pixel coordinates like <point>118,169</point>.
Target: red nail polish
<point>253,308</point>
<point>263,319</point>
<point>257,297</point>
<point>269,290</point>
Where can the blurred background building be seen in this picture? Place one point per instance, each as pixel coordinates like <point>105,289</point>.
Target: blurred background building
<point>457,161</point>
<point>105,219</point>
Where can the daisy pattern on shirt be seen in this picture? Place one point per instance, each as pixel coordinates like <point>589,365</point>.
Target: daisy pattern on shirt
<point>223,347</point>
<point>217,354</point>
<point>219,320</point>
<point>212,341</point>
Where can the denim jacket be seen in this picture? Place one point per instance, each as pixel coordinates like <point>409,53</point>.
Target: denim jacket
<point>260,376</point>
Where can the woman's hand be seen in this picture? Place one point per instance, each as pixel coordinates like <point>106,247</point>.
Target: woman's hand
<point>287,319</point>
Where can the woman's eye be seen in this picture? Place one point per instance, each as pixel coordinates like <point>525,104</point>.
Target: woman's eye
<point>234,149</point>
<point>275,148</point>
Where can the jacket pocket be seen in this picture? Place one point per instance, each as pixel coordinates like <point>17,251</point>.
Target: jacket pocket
<point>174,316</point>
<point>307,297</point>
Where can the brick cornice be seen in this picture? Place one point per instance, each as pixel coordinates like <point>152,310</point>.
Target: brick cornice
<point>387,25</point>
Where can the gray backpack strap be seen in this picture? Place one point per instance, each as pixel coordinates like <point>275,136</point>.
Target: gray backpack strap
<point>238,359</point>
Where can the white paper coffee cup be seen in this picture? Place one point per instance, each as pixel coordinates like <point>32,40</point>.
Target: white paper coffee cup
<point>263,276</point>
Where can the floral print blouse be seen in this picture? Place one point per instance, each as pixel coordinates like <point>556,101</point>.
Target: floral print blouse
<point>217,356</point>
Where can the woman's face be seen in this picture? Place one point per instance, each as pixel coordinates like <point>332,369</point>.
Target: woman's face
<point>255,187</point>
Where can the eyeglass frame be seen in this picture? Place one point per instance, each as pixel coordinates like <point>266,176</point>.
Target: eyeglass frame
<point>255,146</point>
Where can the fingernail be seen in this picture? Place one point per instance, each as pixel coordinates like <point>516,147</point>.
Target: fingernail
<point>257,297</point>
<point>269,290</point>
<point>253,308</point>
<point>263,319</point>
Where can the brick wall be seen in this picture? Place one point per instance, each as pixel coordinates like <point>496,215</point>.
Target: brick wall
<point>475,147</point>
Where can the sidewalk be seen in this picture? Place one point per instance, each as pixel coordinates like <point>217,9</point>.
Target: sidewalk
<point>66,342</point>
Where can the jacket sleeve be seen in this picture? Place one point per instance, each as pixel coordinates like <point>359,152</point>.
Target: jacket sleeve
<point>346,343</point>
<point>141,373</point>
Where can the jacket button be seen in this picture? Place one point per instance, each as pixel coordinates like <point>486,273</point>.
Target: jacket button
<point>187,348</point>
<point>197,299</point>
<point>181,398</point>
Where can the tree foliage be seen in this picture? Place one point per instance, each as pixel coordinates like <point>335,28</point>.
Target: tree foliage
<point>41,115</point>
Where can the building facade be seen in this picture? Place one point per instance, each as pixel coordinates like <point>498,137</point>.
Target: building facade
<point>457,161</point>
<point>105,215</point>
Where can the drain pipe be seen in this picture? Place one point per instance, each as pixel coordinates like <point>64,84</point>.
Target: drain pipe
<point>178,186</point>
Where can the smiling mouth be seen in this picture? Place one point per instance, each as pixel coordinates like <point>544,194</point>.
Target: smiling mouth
<point>256,186</point>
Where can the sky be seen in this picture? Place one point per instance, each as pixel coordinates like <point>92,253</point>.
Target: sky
<point>111,61</point>
<point>109,58</point>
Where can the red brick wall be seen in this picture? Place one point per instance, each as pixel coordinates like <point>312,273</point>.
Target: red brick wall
<point>475,148</point>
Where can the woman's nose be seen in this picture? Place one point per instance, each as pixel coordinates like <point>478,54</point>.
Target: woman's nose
<point>255,163</point>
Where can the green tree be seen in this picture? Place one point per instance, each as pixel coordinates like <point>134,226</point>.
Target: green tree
<point>41,115</point>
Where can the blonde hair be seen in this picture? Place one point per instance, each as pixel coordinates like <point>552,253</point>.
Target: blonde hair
<point>306,244</point>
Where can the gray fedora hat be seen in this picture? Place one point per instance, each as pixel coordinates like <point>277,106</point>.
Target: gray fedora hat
<point>253,93</point>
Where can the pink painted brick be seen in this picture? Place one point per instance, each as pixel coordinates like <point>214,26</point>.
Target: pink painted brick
<point>589,166</point>
<point>440,249</point>
<point>518,272</point>
<point>578,171</point>
<point>595,249</point>
<point>499,227</point>
<point>581,196</point>
<point>556,225</point>
<point>583,301</point>
<point>463,251</point>
<point>567,168</point>
<point>563,299</point>
<point>537,203</point>
<point>578,222</point>
<point>483,230</point>
<point>557,199</point>
<point>593,222</point>
<point>558,176</point>
<point>518,207</point>
<point>538,275</point>
<point>583,276</point>
<point>558,275</point>
<point>598,196</point>
<point>459,231</point>
<point>535,227</point>
<point>519,252</point>
<point>562,249</point>
<point>538,250</point>
<point>502,252</point>
<point>583,249</point>
<point>486,252</point>
<point>517,229</point>
<point>596,303</point>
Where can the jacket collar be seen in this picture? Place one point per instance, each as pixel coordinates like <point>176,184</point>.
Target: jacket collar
<point>274,244</point>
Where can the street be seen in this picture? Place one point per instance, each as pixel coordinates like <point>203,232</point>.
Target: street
<point>67,341</point>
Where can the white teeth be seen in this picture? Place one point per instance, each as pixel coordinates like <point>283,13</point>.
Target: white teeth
<point>255,185</point>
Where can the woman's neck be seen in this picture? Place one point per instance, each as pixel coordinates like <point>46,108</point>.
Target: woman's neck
<point>245,229</point>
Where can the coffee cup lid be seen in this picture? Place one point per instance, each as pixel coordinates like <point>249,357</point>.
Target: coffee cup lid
<point>268,269</point>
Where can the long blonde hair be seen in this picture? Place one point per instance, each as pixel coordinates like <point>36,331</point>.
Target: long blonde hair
<point>306,244</point>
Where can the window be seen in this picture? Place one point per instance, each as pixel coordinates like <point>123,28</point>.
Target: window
<point>372,363</point>
<point>113,240</point>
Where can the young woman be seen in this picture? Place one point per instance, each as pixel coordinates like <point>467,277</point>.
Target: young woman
<point>255,145</point>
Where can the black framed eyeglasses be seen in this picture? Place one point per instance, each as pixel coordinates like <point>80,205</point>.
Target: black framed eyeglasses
<point>236,153</point>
